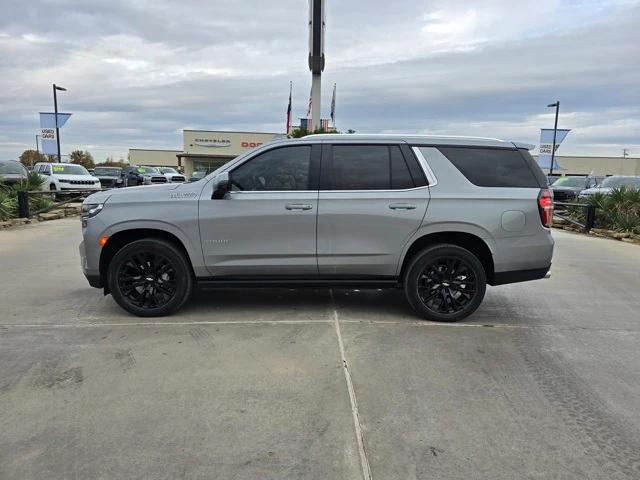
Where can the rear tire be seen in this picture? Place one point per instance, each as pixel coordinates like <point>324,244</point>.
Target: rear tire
<point>445,283</point>
<point>150,278</point>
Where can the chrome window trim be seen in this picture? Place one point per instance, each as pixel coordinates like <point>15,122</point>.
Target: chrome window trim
<point>431,178</point>
<point>372,191</point>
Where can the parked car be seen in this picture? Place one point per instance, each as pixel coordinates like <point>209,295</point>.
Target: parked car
<point>440,217</point>
<point>12,172</point>
<point>198,175</point>
<point>134,176</point>
<point>60,177</point>
<point>614,181</point>
<point>110,177</point>
<point>566,189</point>
<point>173,176</point>
<point>552,178</point>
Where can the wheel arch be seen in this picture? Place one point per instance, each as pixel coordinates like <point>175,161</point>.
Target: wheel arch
<point>470,241</point>
<point>124,237</point>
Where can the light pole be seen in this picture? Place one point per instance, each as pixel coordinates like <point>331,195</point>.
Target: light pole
<point>55,108</point>
<point>555,130</point>
<point>37,147</point>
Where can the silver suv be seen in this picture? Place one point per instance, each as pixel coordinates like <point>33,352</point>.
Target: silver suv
<point>440,217</point>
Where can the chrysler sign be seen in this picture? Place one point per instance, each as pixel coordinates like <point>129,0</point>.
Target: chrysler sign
<point>212,142</point>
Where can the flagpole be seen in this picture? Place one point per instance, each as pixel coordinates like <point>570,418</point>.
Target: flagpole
<point>333,106</point>
<point>55,108</point>
<point>555,131</point>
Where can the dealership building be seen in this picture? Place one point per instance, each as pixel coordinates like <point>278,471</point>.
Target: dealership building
<point>202,150</point>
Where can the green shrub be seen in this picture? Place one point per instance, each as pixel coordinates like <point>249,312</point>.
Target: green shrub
<point>8,204</point>
<point>39,202</point>
<point>618,210</point>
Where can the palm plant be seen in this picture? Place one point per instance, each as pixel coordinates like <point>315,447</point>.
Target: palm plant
<point>8,204</point>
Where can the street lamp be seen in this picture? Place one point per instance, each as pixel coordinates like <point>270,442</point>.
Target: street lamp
<point>55,107</point>
<point>555,130</point>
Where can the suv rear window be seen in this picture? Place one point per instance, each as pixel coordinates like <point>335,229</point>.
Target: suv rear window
<point>492,167</point>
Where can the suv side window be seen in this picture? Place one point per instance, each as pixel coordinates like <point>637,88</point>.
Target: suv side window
<point>492,167</point>
<point>370,167</point>
<point>280,169</point>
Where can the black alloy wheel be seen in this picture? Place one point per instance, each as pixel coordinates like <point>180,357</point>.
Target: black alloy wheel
<point>445,283</point>
<point>150,278</point>
<point>147,280</point>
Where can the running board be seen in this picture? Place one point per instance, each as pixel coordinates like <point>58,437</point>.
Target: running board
<point>297,282</point>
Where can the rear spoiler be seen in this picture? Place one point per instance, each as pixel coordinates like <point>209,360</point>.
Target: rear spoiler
<point>525,146</point>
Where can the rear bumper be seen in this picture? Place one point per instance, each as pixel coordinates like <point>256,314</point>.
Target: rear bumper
<point>515,276</point>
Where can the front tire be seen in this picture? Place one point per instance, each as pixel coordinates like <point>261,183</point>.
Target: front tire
<point>445,283</point>
<point>150,278</point>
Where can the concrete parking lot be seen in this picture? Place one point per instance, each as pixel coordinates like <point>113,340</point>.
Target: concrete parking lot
<point>542,382</point>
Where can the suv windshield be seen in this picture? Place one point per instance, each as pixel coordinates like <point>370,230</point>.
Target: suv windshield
<point>9,167</point>
<point>569,182</point>
<point>147,170</point>
<point>107,172</point>
<point>66,169</point>
<point>168,170</point>
<point>612,182</point>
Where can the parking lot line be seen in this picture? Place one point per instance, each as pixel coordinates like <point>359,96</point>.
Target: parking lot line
<point>410,323</point>
<point>364,461</point>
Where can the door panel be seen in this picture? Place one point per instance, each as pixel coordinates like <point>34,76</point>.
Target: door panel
<point>267,224</point>
<point>360,234</point>
<point>260,233</point>
<point>363,231</point>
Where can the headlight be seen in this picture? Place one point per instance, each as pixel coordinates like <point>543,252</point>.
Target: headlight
<point>90,210</point>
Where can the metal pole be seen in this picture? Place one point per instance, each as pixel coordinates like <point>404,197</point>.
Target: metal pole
<point>37,147</point>
<point>55,107</point>
<point>316,82</point>
<point>555,130</point>
<point>23,204</point>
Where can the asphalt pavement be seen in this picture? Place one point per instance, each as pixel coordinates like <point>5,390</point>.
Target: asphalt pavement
<point>543,381</point>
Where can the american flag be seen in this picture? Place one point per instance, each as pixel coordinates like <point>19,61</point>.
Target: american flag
<point>288,127</point>
<point>333,106</point>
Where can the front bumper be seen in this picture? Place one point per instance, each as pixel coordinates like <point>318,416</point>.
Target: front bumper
<point>89,263</point>
<point>87,188</point>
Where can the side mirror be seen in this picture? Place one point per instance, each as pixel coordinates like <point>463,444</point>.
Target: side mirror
<point>221,186</point>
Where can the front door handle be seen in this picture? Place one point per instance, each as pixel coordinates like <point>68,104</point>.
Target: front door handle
<point>402,206</point>
<point>298,206</point>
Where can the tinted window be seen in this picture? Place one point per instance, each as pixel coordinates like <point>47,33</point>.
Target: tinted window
<point>400,175</point>
<point>492,167</point>
<point>279,169</point>
<point>543,181</point>
<point>419,178</point>
<point>360,167</point>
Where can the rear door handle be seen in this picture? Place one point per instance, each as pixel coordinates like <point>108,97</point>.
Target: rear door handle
<point>298,206</point>
<point>402,206</point>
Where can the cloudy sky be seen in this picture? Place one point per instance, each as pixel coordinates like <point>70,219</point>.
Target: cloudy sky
<point>139,71</point>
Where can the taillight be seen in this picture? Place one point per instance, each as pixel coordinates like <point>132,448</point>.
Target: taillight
<point>545,206</point>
